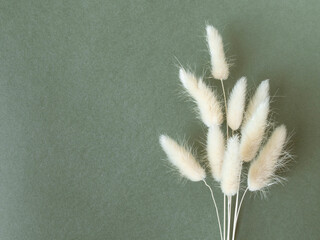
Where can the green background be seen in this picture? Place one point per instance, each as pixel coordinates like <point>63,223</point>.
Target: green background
<point>87,86</point>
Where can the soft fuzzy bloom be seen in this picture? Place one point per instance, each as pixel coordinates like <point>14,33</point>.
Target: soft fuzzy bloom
<point>253,132</point>
<point>262,170</point>
<point>215,151</point>
<point>208,105</point>
<point>182,159</point>
<point>236,104</point>
<point>261,94</point>
<point>219,65</point>
<point>231,168</point>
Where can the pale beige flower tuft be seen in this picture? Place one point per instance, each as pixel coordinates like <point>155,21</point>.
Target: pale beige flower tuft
<point>182,159</point>
<point>219,65</point>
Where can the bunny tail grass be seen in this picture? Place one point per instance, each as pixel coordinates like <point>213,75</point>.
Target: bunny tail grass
<point>208,105</point>
<point>262,170</point>
<point>231,168</point>
<point>236,104</point>
<point>182,159</point>
<point>215,151</point>
<point>261,94</point>
<point>253,132</point>
<point>219,65</point>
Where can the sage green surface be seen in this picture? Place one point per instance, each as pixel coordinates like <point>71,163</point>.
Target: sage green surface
<point>87,87</point>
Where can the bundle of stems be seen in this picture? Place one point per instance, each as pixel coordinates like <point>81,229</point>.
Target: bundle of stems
<point>226,153</point>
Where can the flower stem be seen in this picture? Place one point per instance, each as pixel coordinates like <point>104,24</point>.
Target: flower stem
<point>227,130</point>
<point>236,214</point>
<point>215,204</point>
<point>225,105</point>
<point>241,202</point>
<point>224,217</point>
<point>236,208</point>
<point>229,216</point>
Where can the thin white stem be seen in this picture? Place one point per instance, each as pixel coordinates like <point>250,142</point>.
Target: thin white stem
<point>236,211</point>
<point>224,217</point>
<point>215,204</point>
<point>235,216</point>
<point>241,202</point>
<point>229,216</point>
<point>227,129</point>
<point>225,105</point>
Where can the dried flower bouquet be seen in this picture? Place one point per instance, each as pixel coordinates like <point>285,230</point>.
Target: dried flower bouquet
<point>245,142</point>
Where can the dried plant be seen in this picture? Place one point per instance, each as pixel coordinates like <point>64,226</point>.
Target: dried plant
<point>208,105</point>
<point>231,168</point>
<point>253,131</point>
<point>215,151</point>
<point>236,104</point>
<point>262,170</point>
<point>182,159</point>
<point>225,160</point>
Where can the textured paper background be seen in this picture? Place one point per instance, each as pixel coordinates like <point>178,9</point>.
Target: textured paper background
<point>86,87</point>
